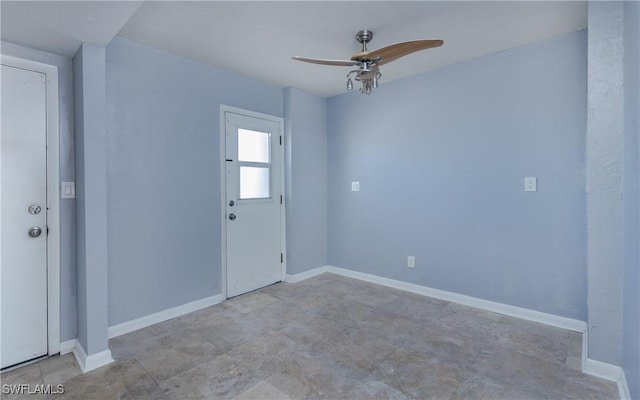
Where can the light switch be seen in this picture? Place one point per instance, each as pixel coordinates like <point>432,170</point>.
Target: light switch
<point>355,186</point>
<point>530,184</point>
<point>68,190</point>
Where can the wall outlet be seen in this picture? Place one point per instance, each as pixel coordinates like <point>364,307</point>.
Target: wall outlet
<point>411,262</point>
<point>355,186</point>
<point>530,184</point>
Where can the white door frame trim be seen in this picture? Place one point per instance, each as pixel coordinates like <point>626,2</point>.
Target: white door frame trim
<point>53,194</point>
<point>223,191</point>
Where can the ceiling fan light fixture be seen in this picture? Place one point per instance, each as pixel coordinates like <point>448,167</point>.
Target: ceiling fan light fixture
<point>366,87</point>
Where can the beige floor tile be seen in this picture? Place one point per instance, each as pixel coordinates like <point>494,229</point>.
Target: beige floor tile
<point>262,391</point>
<point>219,378</point>
<point>332,337</point>
<point>251,301</point>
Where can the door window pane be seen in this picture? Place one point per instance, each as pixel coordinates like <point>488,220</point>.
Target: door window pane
<point>253,146</point>
<point>254,182</point>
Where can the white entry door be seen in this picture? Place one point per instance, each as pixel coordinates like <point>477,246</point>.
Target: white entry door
<point>23,268</point>
<point>254,192</point>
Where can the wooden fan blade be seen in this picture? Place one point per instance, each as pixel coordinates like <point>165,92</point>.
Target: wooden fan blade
<point>341,63</point>
<point>395,51</point>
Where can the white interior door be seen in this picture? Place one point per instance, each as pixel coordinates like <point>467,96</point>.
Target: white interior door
<point>23,268</point>
<point>253,202</point>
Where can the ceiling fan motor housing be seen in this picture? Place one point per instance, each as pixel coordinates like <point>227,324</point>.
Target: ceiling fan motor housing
<point>364,36</point>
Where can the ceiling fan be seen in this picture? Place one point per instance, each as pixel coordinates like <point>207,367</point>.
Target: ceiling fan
<point>368,62</point>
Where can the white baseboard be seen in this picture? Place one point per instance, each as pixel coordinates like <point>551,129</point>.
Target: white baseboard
<point>67,346</point>
<point>602,370</point>
<point>85,362</point>
<point>500,308</point>
<point>89,363</point>
<point>623,387</point>
<point>306,275</point>
<point>609,372</point>
<point>94,361</point>
<point>148,320</point>
<point>589,366</point>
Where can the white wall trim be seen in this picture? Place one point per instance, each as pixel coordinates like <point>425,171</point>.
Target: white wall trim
<point>89,363</point>
<point>223,202</point>
<point>609,372</point>
<point>623,387</point>
<point>306,275</point>
<point>589,366</point>
<point>67,346</point>
<point>500,308</point>
<point>86,363</point>
<point>151,319</point>
<point>94,361</point>
<point>602,370</point>
<point>53,194</point>
<point>585,348</point>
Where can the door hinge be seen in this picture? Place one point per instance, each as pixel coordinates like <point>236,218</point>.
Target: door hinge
<point>280,199</point>
<point>281,258</point>
<point>47,230</point>
<point>280,140</point>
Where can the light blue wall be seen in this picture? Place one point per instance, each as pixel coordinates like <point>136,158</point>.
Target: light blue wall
<point>631,196</point>
<point>306,180</point>
<point>91,197</point>
<point>164,175</point>
<point>604,149</point>
<point>441,157</point>
<point>67,206</point>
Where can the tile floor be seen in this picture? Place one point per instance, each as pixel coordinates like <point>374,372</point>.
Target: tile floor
<point>331,337</point>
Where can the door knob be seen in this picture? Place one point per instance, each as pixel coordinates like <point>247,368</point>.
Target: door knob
<point>232,216</point>
<point>35,231</point>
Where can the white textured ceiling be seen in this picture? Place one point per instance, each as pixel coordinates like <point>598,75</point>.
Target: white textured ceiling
<point>60,26</point>
<point>258,38</point>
